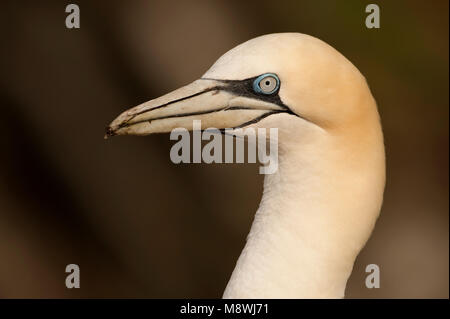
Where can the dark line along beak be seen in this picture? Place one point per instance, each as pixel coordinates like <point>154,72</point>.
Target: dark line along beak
<point>217,103</point>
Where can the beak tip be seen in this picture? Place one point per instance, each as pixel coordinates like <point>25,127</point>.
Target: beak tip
<point>109,132</point>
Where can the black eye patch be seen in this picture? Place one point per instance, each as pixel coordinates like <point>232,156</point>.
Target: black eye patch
<point>245,88</point>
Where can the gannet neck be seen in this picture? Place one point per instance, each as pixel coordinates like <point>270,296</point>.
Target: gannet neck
<point>316,213</point>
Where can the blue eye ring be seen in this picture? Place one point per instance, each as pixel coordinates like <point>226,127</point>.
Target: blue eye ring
<point>257,87</point>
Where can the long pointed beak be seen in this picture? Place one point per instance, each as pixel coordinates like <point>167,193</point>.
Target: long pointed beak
<point>214,102</point>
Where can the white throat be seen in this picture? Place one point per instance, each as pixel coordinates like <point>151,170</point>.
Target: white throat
<point>316,213</point>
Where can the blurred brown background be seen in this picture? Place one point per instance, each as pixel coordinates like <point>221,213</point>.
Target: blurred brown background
<point>139,225</point>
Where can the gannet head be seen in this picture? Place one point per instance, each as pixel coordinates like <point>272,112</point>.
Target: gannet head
<point>328,191</point>
<point>286,80</point>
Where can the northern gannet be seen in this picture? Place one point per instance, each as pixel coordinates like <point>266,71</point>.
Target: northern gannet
<point>320,207</point>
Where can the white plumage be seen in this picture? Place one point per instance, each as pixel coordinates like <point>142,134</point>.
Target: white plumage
<point>319,208</point>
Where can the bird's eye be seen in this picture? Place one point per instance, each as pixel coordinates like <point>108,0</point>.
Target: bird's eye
<point>266,84</point>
